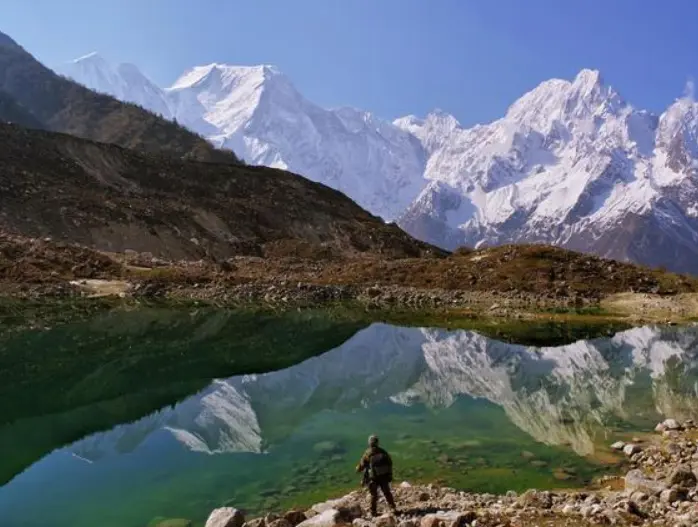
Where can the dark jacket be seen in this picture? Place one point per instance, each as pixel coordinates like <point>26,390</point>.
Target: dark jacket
<point>376,464</point>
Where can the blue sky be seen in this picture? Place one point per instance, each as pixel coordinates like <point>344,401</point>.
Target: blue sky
<point>472,58</point>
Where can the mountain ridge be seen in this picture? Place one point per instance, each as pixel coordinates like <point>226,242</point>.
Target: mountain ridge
<point>63,105</point>
<point>571,163</point>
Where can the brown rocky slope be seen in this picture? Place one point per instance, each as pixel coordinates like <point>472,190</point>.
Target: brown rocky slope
<point>114,199</point>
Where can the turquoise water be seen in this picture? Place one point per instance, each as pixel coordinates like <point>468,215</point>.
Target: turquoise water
<point>133,417</point>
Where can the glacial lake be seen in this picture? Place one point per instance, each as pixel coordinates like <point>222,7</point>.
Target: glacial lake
<point>133,417</point>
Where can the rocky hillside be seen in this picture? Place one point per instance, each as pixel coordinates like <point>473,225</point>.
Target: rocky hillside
<point>62,105</point>
<point>13,112</point>
<point>114,199</point>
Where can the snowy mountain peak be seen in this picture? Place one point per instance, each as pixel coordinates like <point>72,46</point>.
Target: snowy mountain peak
<point>224,76</point>
<point>571,163</point>
<point>561,101</point>
<point>124,81</point>
<point>589,80</point>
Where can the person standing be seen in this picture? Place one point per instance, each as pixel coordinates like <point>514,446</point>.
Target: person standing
<point>377,466</point>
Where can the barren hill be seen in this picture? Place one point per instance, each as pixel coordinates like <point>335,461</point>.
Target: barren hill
<point>114,199</point>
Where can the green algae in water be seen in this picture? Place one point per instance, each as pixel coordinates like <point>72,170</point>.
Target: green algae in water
<point>451,406</point>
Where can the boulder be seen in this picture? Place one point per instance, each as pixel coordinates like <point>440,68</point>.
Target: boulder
<point>636,481</point>
<point>618,445</point>
<point>430,520</point>
<point>535,498</point>
<point>683,476</point>
<point>385,520</point>
<point>349,512</point>
<point>569,509</point>
<point>631,449</point>
<point>456,518</point>
<point>257,522</point>
<point>670,495</point>
<point>668,424</point>
<point>225,517</point>
<point>327,518</point>
<point>319,508</point>
<point>295,517</point>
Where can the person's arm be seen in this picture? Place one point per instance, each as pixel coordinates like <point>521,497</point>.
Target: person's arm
<point>362,463</point>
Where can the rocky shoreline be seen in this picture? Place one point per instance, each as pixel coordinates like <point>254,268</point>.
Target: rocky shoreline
<point>282,293</point>
<point>508,281</point>
<point>660,489</point>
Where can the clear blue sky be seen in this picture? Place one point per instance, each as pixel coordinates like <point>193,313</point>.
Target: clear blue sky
<point>471,58</point>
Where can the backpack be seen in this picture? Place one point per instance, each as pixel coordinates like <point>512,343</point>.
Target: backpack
<point>380,465</point>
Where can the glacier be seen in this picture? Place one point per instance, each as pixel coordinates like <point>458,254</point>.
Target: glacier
<point>571,163</point>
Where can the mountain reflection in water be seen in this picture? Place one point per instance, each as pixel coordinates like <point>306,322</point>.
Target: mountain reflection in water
<point>455,405</point>
<point>559,395</point>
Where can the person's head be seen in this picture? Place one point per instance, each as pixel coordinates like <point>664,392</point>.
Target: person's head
<point>372,440</point>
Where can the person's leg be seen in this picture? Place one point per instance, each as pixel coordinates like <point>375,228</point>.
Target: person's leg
<point>385,488</point>
<point>373,490</point>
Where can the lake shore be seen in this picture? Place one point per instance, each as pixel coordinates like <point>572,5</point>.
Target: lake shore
<point>524,282</point>
<point>659,489</point>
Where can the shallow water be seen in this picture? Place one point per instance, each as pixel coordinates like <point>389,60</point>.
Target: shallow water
<point>91,437</point>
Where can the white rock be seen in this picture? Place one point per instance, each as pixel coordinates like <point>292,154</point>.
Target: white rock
<point>631,449</point>
<point>618,445</point>
<point>568,509</point>
<point>671,424</point>
<point>327,518</point>
<point>225,517</point>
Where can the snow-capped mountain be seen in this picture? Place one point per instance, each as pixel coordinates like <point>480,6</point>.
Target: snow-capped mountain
<point>571,163</point>
<point>565,395</point>
<point>124,81</point>
<point>257,112</point>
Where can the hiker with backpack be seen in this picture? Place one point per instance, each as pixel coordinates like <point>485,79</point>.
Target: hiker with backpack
<point>377,467</point>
